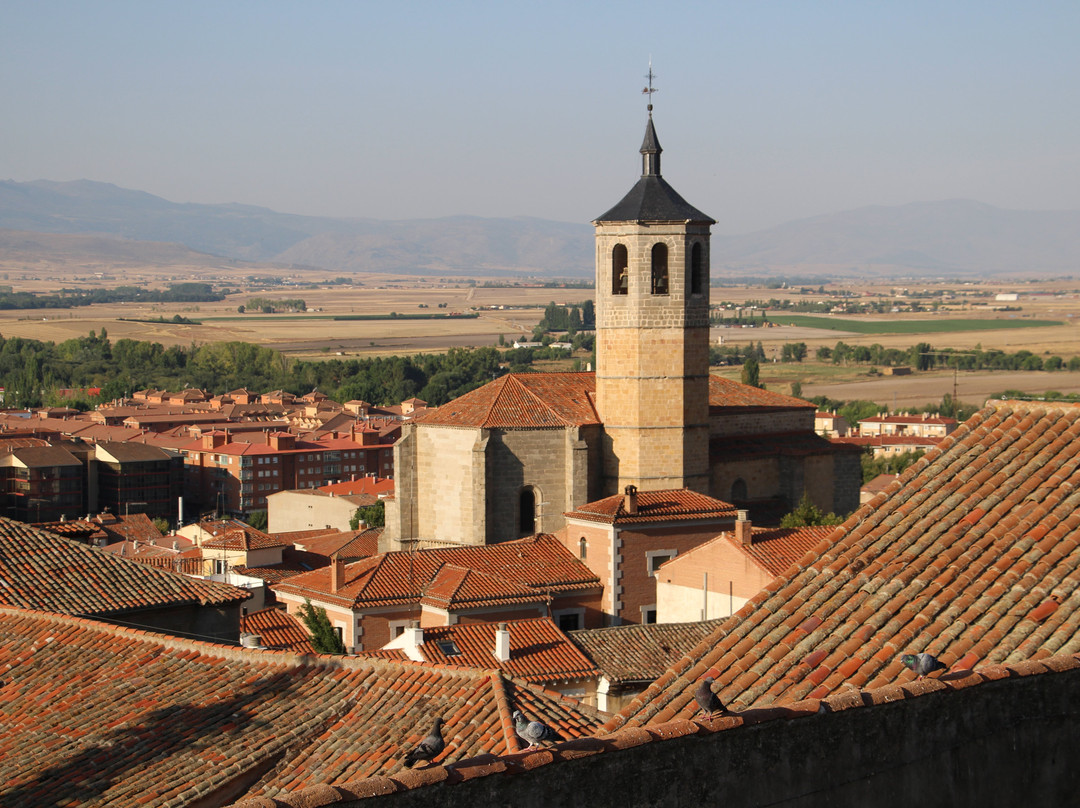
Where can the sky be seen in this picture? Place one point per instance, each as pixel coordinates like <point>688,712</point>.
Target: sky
<point>767,111</point>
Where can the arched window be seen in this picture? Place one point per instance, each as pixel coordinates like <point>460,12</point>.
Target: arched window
<point>583,548</point>
<point>738,490</point>
<point>659,269</point>
<point>697,273</point>
<point>527,512</point>
<point>620,270</point>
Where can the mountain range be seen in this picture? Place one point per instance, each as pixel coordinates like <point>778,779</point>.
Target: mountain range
<point>952,238</point>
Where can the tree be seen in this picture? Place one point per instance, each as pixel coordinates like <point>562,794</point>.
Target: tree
<point>808,514</point>
<point>324,639</point>
<point>372,515</point>
<point>162,525</point>
<point>258,520</point>
<point>796,389</point>
<point>751,372</point>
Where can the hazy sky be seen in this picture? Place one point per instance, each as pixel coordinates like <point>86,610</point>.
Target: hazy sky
<point>767,111</point>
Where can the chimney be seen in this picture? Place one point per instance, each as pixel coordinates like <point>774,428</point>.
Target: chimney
<point>502,643</point>
<point>414,638</point>
<point>630,499</point>
<point>743,534</point>
<point>337,575</point>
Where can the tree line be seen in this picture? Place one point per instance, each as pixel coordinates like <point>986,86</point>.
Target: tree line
<point>70,298</point>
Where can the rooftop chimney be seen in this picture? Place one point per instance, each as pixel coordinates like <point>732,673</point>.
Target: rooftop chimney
<point>502,643</point>
<point>743,533</point>
<point>414,637</point>
<point>337,575</point>
<point>630,499</point>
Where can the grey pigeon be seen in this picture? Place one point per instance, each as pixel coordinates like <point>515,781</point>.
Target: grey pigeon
<point>708,701</point>
<point>923,664</point>
<point>534,732</point>
<point>429,748</point>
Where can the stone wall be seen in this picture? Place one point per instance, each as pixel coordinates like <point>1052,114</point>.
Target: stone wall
<point>1006,742</point>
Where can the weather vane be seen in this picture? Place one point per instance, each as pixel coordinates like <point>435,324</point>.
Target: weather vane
<point>649,89</point>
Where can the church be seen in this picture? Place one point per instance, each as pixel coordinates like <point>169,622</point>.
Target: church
<point>514,457</point>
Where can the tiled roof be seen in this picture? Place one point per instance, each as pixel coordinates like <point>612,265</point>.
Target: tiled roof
<point>539,652</point>
<point>639,653</point>
<point>101,715</point>
<point>776,549</point>
<point>973,556</point>
<point>908,419</point>
<point>526,570</point>
<point>43,571</point>
<point>293,562</point>
<point>232,534</point>
<point>522,401</point>
<point>879,483</point>
<point>361,485</point>
<point>729,396</point>
<point>277,630</point>
<point>915,441</point>
<point>677,504</point>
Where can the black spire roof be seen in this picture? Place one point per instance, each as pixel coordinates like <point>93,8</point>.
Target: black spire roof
<point>652,199</point>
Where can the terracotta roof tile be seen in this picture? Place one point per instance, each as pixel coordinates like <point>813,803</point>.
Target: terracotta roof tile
<point>960,559</point>
<point>525,570</point>
<point>522,400</point>
<point>43,571</point>
<point>655,506</point>
<point>639,653</point>
<point>278,630</point>
<point>729,396</point>
<point>159,717</point>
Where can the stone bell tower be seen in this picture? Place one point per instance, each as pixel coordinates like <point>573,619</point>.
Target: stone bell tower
<point>652,331</point>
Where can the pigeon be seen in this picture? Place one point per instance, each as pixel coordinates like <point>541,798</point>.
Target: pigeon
<point>535,732</point>
<point>429,748</point>
<point>708,701</point>
<point>923,664</point>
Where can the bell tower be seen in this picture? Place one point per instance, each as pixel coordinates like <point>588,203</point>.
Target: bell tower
<point>652,332</point>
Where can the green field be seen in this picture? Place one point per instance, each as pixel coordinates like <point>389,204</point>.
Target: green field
<point>905,326</point>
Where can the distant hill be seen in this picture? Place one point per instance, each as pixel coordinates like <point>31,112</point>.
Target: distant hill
<point>459,244</point>
<point>29,247</point>
<point>953,238</point>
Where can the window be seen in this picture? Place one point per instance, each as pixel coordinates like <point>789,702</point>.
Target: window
<point>648,614</point>
<point>659,269</point>
<point>654,558</point>
<point>620,270</point>
<point>448,647</point>
<point>527,512</point>
<point>569,619</point>
<point>697,272</point>
<point>583,548</point>
<point>738,490</point>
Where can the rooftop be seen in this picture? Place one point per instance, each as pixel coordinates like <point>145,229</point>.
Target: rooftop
<point>972,555</point>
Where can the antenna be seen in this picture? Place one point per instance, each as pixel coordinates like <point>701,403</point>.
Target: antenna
<point>649,89</point>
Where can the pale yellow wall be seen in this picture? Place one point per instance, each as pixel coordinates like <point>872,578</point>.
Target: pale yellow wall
<point>296,510</point>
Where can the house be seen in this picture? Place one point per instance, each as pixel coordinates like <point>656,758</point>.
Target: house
<point>49,573</point>
<point>830,424</point>
<point>717,578</point>
<point>370,602</point>
<point>889,445</point>
<point>625,539</point>
<point>630,658</point>
<point>876,486</point>
<point>533,650</point>
<point>313,508</point>
<point>127,718</point>
<point>920,426</point>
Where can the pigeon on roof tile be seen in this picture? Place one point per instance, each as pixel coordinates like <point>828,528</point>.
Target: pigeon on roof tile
<point>923,664</point>
<point>534,732</point>
<point>708,701</point>
<point>429,748</point>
